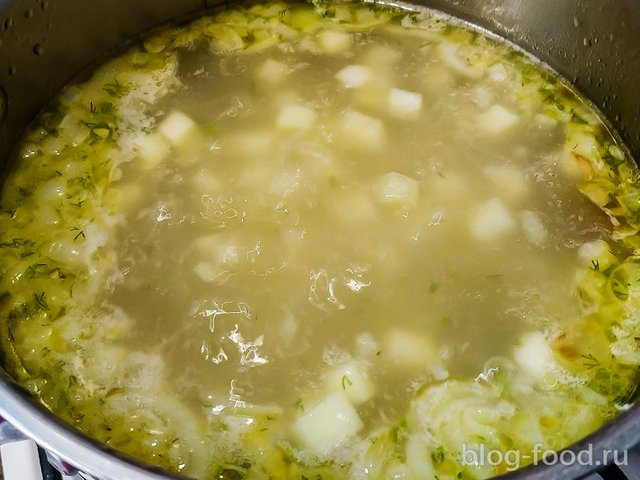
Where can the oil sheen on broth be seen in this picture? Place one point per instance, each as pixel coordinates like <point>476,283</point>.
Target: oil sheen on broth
<point>322,241</point>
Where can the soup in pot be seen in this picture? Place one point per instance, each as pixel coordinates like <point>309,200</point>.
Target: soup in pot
<point>323,241</point>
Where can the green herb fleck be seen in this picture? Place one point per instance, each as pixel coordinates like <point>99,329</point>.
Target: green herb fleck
<point>437,456</point>
<point>41,301</point>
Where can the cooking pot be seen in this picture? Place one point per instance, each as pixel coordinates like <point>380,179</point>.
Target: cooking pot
<point>45,43</point>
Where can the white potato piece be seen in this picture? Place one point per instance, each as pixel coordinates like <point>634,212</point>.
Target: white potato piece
<point>366,345</point>
<point>205,182</point>
<point>273,71</point>
<point>579,168</point>
<point>373,95</point>
<point>354,206</point>
<point>219,248</point>
<point>177,127</point>
<point>482,97</point>
<point>352,379</point>
<point>583,144</point>
<point>510,181</point>
<point>207,272</point>
<point>362,131</point>
<point>333,41</point>
<point>408,350</point>
<point>597,252</point>
<point>498,72</point>
<point>451,58</point>
<point>533,228</point>
<point>328,424</point>
<point>153,149</point>
<point>534,355</point>
<point>394,188</point>
<point>497,120</point>
<point>354,76</point>
<point>296,117</point>
<point>492,221</point>
<point>403,103</point>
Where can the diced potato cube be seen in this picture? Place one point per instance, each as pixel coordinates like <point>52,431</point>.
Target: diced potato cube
<point>206,183</point>
<point>482,97</point>
<point>153,149</point>
<point>219,248</point>
<point>497,120</point>
<point>534,355</point>
<point>353,76</point>
<point>409,350</point>
<point>176,127</point>
<point>333,41</point>
<point>498,72</point>
<point>584,145</point>
<point>366,345</point>
<point>350,378</point>
<point>597,253</point>
<point>362,131</point>
<point>373,95</point>
<point>296,117</point>
<point>284,183</point>
<point>533,228</point>
<point>228,254</point>
<point>492,221</point>
<point>578,167</point>
<point>273,71</point>
<point>397,189</point>
<point>354,206</point>
<point>510,181</point>
<point>207,272</point>
<point>404,104</point>
<point>449,55</point>
<point>328,424</point>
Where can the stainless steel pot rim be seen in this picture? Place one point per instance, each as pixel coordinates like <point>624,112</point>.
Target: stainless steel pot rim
<point>553,31</point>
<point>97,460</point>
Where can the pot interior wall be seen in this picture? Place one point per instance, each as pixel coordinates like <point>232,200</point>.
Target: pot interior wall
<point>44,43</point>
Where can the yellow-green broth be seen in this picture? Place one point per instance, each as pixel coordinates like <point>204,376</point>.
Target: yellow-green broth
<point>342,241</point>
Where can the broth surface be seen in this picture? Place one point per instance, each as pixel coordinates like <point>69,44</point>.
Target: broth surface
<point>330,241</point>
